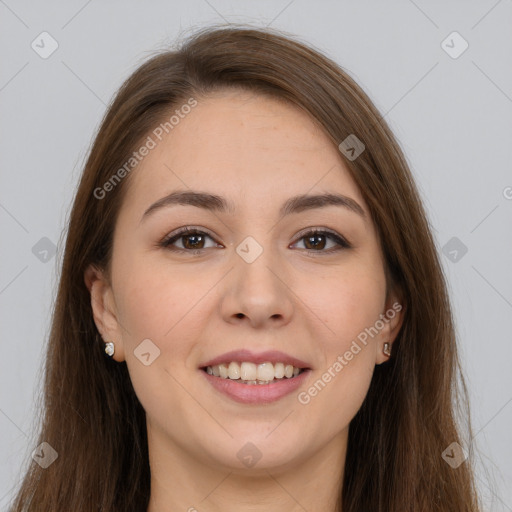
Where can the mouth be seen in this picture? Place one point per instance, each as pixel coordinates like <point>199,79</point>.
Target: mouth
<point>250,378</point>
<point>251,374</point>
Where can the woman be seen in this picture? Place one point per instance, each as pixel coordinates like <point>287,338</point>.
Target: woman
<point>251,312</point>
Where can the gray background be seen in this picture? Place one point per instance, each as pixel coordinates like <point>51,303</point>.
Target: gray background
<point>453,117</point>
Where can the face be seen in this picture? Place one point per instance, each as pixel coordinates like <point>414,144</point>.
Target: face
<point>308,282</point>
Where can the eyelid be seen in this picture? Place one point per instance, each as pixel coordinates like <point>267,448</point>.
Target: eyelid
<point>321,230</point>
<point>187,229</point>
<point>184,230</point>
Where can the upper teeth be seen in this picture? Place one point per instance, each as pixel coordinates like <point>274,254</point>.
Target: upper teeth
<point>251,371</point>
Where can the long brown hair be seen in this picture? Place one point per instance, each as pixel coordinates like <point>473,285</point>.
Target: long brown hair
<point>91,415</point>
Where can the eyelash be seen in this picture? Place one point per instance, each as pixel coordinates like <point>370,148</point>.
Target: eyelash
<point>187,230</point>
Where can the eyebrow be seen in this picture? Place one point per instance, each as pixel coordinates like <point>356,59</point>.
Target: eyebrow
<point>213,202</point>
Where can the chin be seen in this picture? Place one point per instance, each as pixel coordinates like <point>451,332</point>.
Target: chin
<point>254,454</point>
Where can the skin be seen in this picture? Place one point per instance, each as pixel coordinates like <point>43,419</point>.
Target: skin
<point>256,152</point>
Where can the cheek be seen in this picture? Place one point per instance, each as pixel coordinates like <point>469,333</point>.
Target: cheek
<point>158,303</point>
<point>333,397</point>
<point>348,301</point>
<point>163,306</point>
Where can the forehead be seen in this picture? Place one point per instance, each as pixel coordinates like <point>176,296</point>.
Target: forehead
<point>251,148</point>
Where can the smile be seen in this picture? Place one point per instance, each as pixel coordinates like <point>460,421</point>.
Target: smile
<point>251,373</point>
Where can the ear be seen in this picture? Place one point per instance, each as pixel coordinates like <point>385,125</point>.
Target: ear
<point>104,309</point>
<point>393,318</point>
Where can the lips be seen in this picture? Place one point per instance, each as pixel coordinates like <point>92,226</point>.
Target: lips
<point>258,393</point>
<point>271,356</point>
<point>255,391</point>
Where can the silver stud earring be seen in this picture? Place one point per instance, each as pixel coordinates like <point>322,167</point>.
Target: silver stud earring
<point>109,348</point>
<point>387,349</point>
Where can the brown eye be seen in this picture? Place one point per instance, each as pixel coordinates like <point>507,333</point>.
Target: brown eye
<point>317,240</point>
<point>194,241</point>
<point>191,240</point>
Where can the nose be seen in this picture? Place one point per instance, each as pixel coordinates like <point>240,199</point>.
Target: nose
<point>257,293</point>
